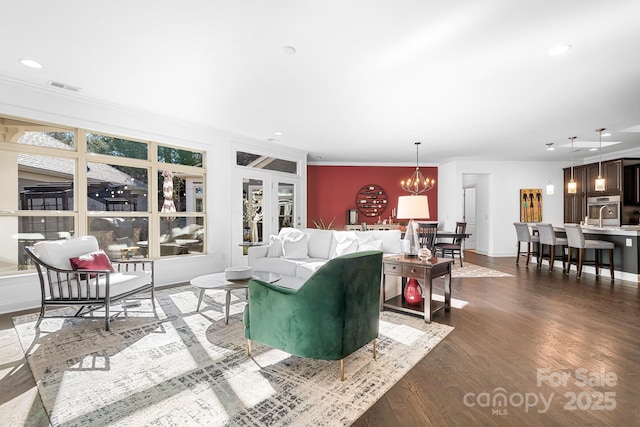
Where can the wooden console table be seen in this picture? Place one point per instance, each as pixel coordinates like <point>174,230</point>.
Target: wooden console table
<point>415,268</point>
<point>358,227</point>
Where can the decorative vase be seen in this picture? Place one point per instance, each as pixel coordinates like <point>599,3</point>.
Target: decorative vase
<point>412,292</point>
<point>254,231</point>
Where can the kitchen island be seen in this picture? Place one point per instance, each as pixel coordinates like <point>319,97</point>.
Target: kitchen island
<point>626,257</point>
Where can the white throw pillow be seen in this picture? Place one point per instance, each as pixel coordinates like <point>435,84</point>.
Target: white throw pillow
<point>319,242</point>
<point>343,243</point>
<point>391,239</point>
<point>295,248</point>
<point>369,244</point>
<point>275,247</point>
<point>291,233</point>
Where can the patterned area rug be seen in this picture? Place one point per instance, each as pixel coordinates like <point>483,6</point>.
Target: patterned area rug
<point>186,368</point>
<point>472,270</point>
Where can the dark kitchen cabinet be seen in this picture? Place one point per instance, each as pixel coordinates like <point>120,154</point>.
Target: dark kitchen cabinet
<point>575,207</point>
<point>631,193</point>
<point>622,179</point>
<point>611,172</point>
<point>613,175</point>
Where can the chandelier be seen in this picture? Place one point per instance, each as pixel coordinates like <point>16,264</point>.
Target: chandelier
<point>417,183</point>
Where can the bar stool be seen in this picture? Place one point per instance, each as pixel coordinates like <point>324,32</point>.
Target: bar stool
<point>576,241</point>
<point>524,236</point>
<point>549,240</point>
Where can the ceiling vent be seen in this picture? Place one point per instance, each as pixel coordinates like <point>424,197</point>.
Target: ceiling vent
<point>63,86</point>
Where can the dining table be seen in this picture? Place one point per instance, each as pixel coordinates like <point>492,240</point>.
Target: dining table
<point>451,235</point>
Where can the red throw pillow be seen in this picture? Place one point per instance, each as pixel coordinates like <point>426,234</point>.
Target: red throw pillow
<point>97,260</point>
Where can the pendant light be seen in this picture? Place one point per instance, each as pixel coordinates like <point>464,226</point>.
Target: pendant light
<point>600,182</point>
<point>550,188</point>
<point>572,186</point>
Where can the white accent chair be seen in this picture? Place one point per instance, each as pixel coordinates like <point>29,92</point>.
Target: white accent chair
<point>61,285</point>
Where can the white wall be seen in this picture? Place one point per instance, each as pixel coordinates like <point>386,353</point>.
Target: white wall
<point>498,187</point>
<point>21,291</point>
<point>498,183</point>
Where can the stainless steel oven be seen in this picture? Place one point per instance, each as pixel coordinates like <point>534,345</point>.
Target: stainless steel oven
<point>606,208</point>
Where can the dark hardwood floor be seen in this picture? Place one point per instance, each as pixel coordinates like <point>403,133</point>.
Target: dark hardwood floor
<point>581,338</point>
<point>513,330</point>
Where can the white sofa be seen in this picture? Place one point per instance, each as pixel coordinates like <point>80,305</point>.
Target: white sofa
<point>299,253</point>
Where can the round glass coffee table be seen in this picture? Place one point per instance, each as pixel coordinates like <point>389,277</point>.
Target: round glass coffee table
<point>218,281</point>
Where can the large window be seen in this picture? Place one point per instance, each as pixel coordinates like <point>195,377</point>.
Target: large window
<point>64,182</point>
<point>112,146</point>
<point>259,161</point>
<point>112,187</point>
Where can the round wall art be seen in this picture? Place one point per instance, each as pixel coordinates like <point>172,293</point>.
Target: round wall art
<point>371,200</point>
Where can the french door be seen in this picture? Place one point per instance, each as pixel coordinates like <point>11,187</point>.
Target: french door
<point>265,202</point>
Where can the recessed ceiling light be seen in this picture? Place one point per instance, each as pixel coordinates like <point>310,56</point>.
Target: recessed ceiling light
<point>289,50</point>
<point>593,149</point>
<point>278,133</point>
<point>607,134</point>
<point>559,49</point>
<point>30,63</point>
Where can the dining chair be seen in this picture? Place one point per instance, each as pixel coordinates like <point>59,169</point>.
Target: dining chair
<point>427,235</point>
<point>577,242</point>
<point>525,236</point>
<point>456,243</point>
<point>549,241</point>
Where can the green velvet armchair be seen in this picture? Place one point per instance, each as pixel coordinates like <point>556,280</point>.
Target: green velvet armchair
<point>334,313</point>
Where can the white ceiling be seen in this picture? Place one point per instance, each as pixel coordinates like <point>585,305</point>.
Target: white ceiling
<point>469,79</point>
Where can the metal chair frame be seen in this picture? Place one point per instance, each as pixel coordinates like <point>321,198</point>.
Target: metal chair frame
<point>81,287</point>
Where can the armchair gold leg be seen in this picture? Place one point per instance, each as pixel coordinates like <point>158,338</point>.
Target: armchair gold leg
<point>341,369</point>
<point>374,348</point>
<point>249,348</point>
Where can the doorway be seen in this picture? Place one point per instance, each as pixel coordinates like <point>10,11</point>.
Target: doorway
<point>265,203</point>
<point>470,215</point>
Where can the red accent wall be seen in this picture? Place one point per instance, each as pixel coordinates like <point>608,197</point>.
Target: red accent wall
<point>332,190</point>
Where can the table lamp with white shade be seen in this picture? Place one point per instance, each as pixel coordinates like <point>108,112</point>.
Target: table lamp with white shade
<point>413,207</point>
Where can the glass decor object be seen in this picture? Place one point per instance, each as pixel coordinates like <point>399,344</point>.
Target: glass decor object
<point>413,292</point>
<point>413,207</point>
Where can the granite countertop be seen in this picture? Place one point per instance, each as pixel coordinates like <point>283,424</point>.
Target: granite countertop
<point>624,230</point>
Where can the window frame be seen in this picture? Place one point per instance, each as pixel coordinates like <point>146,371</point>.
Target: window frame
<point>80,214</point>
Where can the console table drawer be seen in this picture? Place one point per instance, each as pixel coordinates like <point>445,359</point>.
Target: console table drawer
<point>413,272</point>
<point>393,269</point>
